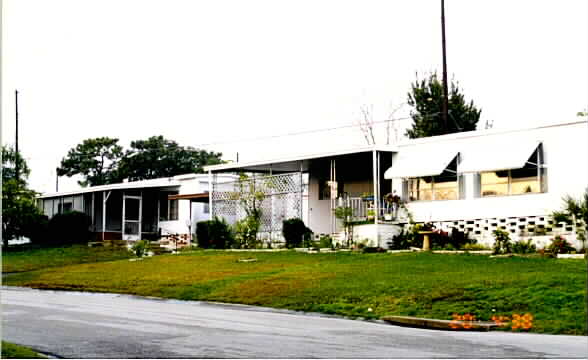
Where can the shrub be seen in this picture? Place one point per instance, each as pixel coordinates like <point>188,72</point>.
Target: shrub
<point>474,247</point>
<point>372,249</point>
<point>502,244</point>
<point>524,247</point>
<point>325,242</point>
<point>39,230</point>
<point>440,239</point>
<point>246,233</point>
<point>293,230</point>
<point>406,239</point>
<point>215,234</point>
<point>559,245</point>
<point>460,239</point>
<point>140,247</point>
<point>70,227</point>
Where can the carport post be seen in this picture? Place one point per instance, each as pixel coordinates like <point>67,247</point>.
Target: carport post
<point>376,175</point>
<point>210,190</point>
<point>301,193</point>
<point>105,197</point>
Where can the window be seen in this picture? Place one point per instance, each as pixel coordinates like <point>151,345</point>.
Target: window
<point>327,189</point>
<point>168,209</point>
<point>444,186</point>
<point>173,209</point>
<point>526,180</point>
<point>67,206</point>
<point>206,209</point>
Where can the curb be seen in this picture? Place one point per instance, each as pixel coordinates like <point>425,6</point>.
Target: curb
<point>435,324</point>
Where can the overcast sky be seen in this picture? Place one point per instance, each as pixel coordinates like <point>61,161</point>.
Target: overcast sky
<point>214,72</point>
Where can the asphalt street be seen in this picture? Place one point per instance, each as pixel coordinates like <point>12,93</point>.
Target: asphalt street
<point>84,325</point>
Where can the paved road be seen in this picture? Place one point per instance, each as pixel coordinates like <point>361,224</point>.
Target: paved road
<point>83,325</point>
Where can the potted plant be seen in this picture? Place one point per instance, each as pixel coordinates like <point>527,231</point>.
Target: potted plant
<point>394,201</point>
<point>367,196</point>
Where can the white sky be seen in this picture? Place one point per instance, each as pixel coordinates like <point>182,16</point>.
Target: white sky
<point>202,72</point>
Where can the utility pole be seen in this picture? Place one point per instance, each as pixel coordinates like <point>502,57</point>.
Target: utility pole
<point>16,162</point>
<point>445,95</point>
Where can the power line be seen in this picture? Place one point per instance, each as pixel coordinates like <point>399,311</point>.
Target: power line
<point>313,131</point>
<point>304,132</point>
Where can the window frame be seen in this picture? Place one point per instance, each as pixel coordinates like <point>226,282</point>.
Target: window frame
<point>540,176</point>
<point>166,215</point>
<point>459,183</point>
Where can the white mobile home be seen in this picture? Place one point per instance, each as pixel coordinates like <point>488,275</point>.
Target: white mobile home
<point>148,209</point>
<point>475,181</point>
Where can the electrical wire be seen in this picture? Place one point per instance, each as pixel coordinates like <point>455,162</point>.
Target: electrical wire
<point>309,131</point>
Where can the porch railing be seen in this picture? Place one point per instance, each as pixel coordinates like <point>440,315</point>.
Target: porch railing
<point>362,210</point>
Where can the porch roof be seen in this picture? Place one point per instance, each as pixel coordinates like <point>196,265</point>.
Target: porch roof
<point>200,197</point>
<point>154,183</point>
<point>292,163</point>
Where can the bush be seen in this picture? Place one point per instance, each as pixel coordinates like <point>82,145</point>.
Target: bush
<point>372,249</point>
<point>140,247</point>
<point>559,245</point>
<point>440,239</point>
<point>294,231</point>
<point>39,230</point>
<point>474,247</point>
<point>399,242</point>
<point>502,244</point>
<point>524,247</point>
<point>214,234</point>
<point>405,239</point>
<point>325,242</point>
<point>246,233</point>
<point>70,227</point>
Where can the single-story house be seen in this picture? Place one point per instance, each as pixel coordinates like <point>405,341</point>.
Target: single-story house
<point>475,181</point>
<point>147,209</point>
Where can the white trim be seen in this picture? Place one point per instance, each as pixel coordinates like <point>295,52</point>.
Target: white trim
<point>386,148</point>
<point>295,158</point>
<point>121,186</point>
<point>174,181</point>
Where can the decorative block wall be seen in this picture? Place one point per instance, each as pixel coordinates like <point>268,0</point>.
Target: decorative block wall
<point>539,228</point>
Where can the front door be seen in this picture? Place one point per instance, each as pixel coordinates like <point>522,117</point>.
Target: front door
<point>131,222</point>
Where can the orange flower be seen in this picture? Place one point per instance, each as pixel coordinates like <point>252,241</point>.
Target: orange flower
<point>522,321</point>
<point>455,323</point>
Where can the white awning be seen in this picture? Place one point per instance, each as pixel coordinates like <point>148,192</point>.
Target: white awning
<point>419,161</point>
<point>506,155</point>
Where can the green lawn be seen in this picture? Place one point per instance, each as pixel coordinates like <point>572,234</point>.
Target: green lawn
<point>12,351</point>
<point>42,258</point>
<point>414,284</point>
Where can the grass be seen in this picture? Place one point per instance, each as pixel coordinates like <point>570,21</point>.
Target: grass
<point>350,284</point>
<point>13,351</point>
<point>42,258</point>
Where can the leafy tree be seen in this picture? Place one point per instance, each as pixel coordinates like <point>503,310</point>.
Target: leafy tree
<point>158,157</point>
<point>20,215</point>
<point>9,160</point>
<point>574,210</point>
<point>426,97</point>
<point>96,159</point>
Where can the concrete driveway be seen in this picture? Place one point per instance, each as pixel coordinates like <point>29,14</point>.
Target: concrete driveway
<point>85,325</point>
